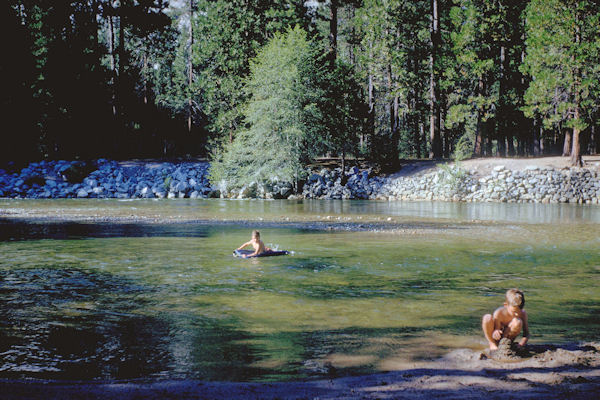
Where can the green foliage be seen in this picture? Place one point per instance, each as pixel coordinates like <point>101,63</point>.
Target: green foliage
<point>453,176</point>
<point>167,182</point>
<point>394,58</point>
<point>273,146</point>
<point>563,43</point>
<point>334,114</point>
<point>227,34</point>
<point>485,85</point>
<point>298,107</point>
<point>463,148</point>
<point>71,96</point>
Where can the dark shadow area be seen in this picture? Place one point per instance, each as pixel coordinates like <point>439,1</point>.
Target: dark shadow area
<point>18,230</point>
<point>71,324</point>
<point>418,383</point>
<point>66,323</point>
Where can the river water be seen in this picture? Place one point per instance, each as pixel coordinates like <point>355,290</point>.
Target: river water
<point>112,289</point>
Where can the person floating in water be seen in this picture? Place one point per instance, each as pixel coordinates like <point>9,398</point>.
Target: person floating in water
<point>257,244</point>
<point>507,321</point>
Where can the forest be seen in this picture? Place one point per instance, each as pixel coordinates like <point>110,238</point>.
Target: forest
<point>258,85</point>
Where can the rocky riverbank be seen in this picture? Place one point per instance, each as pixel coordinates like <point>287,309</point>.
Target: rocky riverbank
<point>454,183</point>
<point>111,179</point>
<point>107,179</point>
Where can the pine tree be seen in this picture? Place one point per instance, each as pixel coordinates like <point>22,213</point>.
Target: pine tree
<point>562,60</point>
<point>229,33</point>
<point>274,145</point>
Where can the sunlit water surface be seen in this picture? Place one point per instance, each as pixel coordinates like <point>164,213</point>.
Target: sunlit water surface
<point>130,299</point>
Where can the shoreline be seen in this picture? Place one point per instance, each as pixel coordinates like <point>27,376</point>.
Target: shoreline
<point>571,371</point>
<point>500,180</point>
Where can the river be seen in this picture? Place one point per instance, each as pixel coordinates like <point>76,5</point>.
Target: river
<point>108,289</point>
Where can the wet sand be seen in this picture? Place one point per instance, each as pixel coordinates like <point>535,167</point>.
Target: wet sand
<point>551,372</point>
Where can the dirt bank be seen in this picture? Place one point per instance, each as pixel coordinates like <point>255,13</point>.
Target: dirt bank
<point>484,166</point>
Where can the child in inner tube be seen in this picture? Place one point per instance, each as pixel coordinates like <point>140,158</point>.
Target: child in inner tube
<point>257,244</point>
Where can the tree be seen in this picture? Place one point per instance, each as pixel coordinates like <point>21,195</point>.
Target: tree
<point>394,59</point>
<point>17,71</point>
<point>229,33</point>
<point>298,107</point>
<point>334,113</point>
<point>434,100</point>
<point>274,146</point>
<point>562,60</point>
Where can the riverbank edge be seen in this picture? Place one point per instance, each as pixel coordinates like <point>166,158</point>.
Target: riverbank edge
<point>571,371</point>
<point>543,180</point>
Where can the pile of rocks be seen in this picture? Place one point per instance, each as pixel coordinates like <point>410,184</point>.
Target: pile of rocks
<point>272,189</point>
<point>532,185</point>
<point>109,179</point>
<point>106,179</point>
<point>332,184</point>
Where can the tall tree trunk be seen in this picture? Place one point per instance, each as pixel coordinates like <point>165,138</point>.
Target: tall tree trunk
<point>535,139</point>
<point>434,107</point>
<point>444,133</point>
<point>566,152</point>
<point>120,76</point>
<point>392,109</point>
<point>370,115</point>
<point>95,36</point>
<point>113,70</point>
<point>576,159</point>
<point>333,30</point>
<point>478,145</point>
<point>121,48</point>
<point>351,52</point>
<point>502,104</point>
<point>370,100</point>
<point>593,145</point>
<point>145,77</point>
<point>489,145</point>
<point>190,66</point>
<point>422,141</point>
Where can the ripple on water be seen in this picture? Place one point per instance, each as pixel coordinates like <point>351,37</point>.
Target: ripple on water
<point>102,300</point>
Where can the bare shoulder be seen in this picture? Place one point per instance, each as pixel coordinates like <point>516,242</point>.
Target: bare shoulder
<point>499,311</point>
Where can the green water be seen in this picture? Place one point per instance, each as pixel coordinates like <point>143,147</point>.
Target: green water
<point>166,300</point>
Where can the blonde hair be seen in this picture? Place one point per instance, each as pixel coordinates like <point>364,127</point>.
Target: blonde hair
<point>256,234</point>
<point>515,297</point>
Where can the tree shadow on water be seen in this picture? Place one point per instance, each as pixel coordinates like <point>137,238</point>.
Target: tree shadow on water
<point>16,230</point>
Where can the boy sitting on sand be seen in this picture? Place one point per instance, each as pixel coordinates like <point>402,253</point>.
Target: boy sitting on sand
<point>257,244</point>
<point>507,321</point>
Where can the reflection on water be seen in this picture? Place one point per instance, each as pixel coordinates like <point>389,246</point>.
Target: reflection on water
<point>124,300</point>
<point>190,209</point>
